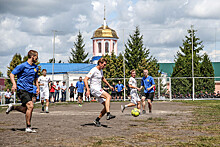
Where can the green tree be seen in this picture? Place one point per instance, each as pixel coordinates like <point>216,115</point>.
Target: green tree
<point>183,65</point>
<point>207,70</point>
<point>1,74</point>
<point>135,51</point>
<point>16,60</point>
<point>78,52</point>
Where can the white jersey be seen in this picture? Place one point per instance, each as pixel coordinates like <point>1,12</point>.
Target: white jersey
<point>133,82</point>
<point>44,80</point>
<point>95,76</point>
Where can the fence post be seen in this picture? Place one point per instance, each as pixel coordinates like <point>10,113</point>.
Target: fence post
<point>170,89</point>
<point>193,86</point>
<point>158,87</point>
<point>14,97</point>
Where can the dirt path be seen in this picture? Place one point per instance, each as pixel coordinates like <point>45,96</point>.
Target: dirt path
<point>70,125</point>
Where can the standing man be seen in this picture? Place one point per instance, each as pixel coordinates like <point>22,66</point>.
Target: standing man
<point>63,91</point>
<point>80,86</point>
<point>7,96</point>
<point>27,73</point>
<point>135,99</point>
<point>71,91</point>
<point>113,94</point>
<point>119,88</point>
<point>57,91</point>
<point>44,89</point>
<point>96,77</point>
<point>148,83</point>
<point>52,90</point>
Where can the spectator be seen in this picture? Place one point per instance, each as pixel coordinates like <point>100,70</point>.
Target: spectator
<point>63,91</point>
<point>218,94</point>
<point>80,87</point>
<point>119,89</point>
<point>7,96</point>
<point>71,91</point>
<point>201,95</point>
<point>113,94</point>
<point>57,91</point>
<point>52,90</point>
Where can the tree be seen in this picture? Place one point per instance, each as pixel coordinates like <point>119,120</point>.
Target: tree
<point>1,74</point>
<point>78,52</point>
<point>207,70</point>
<point>183,65</point>
<point>135,51</point>
<point>16,60</point>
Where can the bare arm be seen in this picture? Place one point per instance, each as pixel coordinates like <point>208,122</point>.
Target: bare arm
<point>87,86</point>
<point>12,77</point>
<point>106,82</point>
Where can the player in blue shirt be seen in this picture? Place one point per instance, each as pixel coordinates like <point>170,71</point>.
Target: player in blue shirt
<point>27,74</point>
<point>119,89</point>
<point>148,83</point>
<point>80,86</point>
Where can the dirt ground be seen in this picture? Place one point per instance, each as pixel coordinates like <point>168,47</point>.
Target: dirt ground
<point>71,125</point>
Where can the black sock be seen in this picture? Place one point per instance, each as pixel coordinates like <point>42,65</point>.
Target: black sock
<point>28,126</point>
<point>108,113</point>
<point>97,119</point>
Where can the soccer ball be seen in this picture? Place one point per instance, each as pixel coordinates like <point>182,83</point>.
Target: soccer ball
<point>135,112</point>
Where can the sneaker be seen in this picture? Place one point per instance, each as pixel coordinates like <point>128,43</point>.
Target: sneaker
<point>150,111</point>
<point>97,123</point>
<point>29,130</point>
<point>80,105</point>
<point>122,108</point>
<point>144,112</point>
<point>110,117</point>
<point>9,108</point>
<point>47,111</point>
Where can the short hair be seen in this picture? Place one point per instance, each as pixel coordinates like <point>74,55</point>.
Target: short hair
<point>102,60</point>
<point>80,77</point>
<point>32,53</point>
<point>133,70</point>
<point>44,70</point>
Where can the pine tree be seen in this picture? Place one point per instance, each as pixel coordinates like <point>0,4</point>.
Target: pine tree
<point>183,65</point>
<point>135,50</point>
<point>78,52</point>
<point>207,70</point>
<point>1,74</point>
<point>16,60</point>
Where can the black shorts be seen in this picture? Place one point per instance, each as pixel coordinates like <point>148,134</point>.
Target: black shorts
<point>25,97</point>
<point>119,93</point>
<point>71,95</point>
<point>80,94</point>
<point>149,96</point>
<point>113,94</point>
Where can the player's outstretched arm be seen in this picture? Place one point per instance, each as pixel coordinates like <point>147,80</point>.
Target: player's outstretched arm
<point>106,82</point>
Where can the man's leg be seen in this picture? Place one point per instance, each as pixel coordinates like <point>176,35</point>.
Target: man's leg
<point>47,106</point>
<point>128,105</point>
<point>64,96</point>
<point>107,98</point>
<point>30,107</point>
<point>55,96</point>
<point>149,105</point>
<point>143,104</point>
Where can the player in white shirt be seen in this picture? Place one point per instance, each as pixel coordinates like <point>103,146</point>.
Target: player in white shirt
<point>135,99</point>
<point>44,82</point>
<point>96,77</point>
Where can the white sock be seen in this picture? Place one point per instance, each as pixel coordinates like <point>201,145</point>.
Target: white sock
<point>126,106</point>
<point>46,108</point>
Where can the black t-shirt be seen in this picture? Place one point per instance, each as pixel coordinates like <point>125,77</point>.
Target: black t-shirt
<point>71,88</point>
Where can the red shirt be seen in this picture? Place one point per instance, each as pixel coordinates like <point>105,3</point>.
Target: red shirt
<point>52,89</point>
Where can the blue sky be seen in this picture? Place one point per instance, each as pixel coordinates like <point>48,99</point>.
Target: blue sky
<point>26,25</point>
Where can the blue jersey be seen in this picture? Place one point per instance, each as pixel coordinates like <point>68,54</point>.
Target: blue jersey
<point>119,87</point>
<point>80,86</point>
<point>147,83</point>
<point>26,74</point>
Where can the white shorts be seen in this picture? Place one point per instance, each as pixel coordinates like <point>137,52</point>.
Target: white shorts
<point>134,97</point>
<point>44,94</point>
<point>97,93</point>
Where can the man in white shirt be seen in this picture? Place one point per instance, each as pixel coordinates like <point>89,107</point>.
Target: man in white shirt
<point>57,91</point>
<point>135,99</point>
<point>63,91</point>
<point>96,77</point>
<point>7,96</point>
<point>44,89</point>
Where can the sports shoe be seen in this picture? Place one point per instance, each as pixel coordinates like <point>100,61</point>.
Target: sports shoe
<point>144,112</point>
<point>110,117</point>
<point>9,108</point>
<point>47,111</point>
<point>150,111</point>
<point>97,123</point>
<point>122,108</point>
<point>80,105</point>
<point>29,130</point>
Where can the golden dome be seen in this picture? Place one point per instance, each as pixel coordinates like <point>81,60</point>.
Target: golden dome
<point>105,32</point>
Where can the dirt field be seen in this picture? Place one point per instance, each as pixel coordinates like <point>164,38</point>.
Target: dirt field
<point>70,125</point>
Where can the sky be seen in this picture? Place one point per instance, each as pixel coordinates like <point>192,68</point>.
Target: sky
<point>29,24</point>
